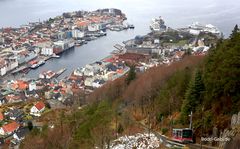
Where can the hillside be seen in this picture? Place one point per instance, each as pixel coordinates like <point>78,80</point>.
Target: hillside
<point>164,96</point>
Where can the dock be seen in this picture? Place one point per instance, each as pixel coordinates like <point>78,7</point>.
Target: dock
<point>58,73</point>
<point>21,68</point>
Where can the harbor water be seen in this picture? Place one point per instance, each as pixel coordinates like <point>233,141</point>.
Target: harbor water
<point>177,13</point>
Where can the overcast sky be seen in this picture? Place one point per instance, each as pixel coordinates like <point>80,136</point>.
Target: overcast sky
<point>222,13</point>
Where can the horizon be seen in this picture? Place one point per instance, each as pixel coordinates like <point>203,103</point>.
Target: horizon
<point>221,14</point>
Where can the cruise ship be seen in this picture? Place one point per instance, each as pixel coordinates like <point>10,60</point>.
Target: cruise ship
<point>196,27</point>
<point>158,24</point>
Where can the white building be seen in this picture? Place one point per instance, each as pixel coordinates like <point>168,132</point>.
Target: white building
<point>12,63</point>
<point>94,27</point>
<point>3,67</point>
<point>89,81</point>
<point>78,72</point>
<point>2,40</point>
<point>77,33</point>
<point>37,109</point>
<point>47,51</point>
<point>32,86</point>
<point>98,83</point>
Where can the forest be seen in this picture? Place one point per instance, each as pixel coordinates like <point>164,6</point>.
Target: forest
<point>162,98</point>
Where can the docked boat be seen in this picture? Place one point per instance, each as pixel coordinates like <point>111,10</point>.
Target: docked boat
<point>131,26</point>
<point>47,74</point>
<point>55,56</point>
<point>102,33</point>
<point>41,62</point>
<point>36,65</point>
<point>115,29</point>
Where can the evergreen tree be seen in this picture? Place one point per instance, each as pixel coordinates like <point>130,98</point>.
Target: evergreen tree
<point>131,75</point>
<point>30,125</point>
<point>193,95</point>
<point>234,32</point>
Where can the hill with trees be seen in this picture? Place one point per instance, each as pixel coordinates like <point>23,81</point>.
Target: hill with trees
<point>163,97</point>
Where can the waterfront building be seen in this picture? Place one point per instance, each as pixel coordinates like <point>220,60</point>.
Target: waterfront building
<point>77,33</point>
<point>3,67</point>
<point>47,51</point>
<point>25,56</point>
<point>12,63</point>
<point>94,27</point>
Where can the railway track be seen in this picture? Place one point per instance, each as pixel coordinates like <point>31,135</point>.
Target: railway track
<point>172,144</point>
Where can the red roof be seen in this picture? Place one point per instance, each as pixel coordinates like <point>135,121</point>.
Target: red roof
<point>40,105</point>
<point>1,116</point>
<point>8,128</point>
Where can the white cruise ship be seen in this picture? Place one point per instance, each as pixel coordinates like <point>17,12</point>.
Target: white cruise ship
<point>195,28</point>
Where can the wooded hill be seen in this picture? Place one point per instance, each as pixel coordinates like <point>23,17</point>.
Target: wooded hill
<point>207,86</point>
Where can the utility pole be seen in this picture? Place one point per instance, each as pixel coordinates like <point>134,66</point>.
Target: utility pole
<point>170,124</point>
<point>116,125</point>
<point>149,124</point>
<point>190,125</point>
<point>201,127</point>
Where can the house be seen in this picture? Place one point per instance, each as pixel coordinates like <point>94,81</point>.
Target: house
<point>14,98</point>
<point>94,27</point>
<point>2,99</point>
<point>98,83</point>
<point>82,25</point>
<point>37,109</point>
<point>1,116</point>
<point>15,114</point>
<point>89,81</point>
<point>9,128</point>
<point>3,67</point>
<point>20,134</point>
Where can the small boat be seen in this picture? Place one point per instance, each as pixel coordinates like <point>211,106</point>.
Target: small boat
<point>50,74</point>
<point>34,66</point>
<point>55,56</point>
<point>115,29</point>
<point>40,63</point>
<point>47,74</point>
<point>84,42</point>
<point>131,26</point>
<point>102,33</point>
